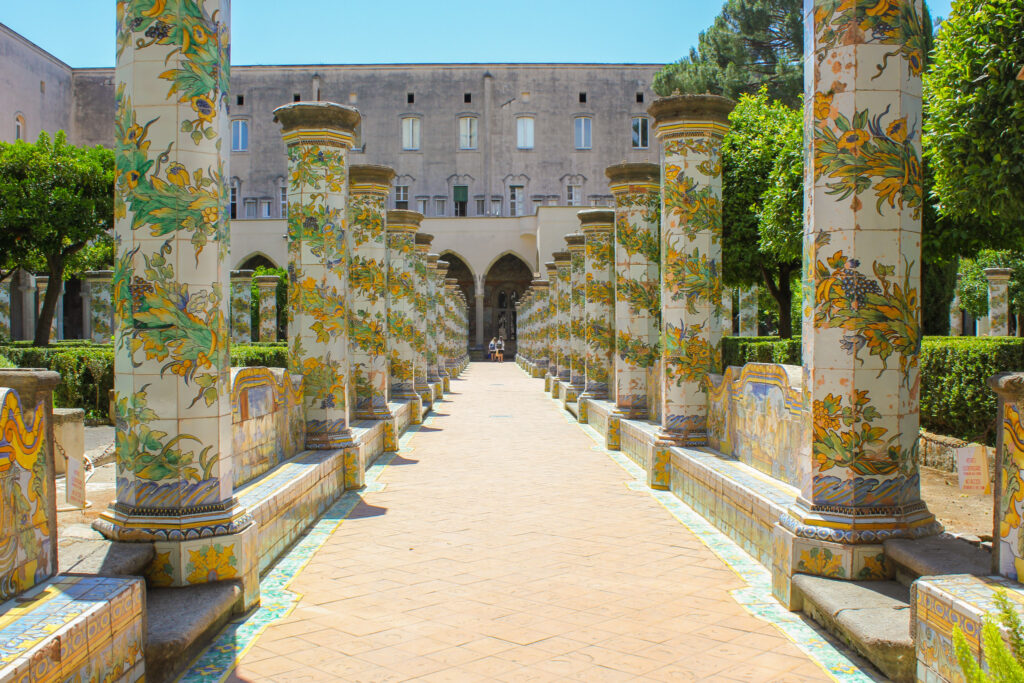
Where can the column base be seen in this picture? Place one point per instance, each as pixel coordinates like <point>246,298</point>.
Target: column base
<point>447,384</point>
<point>327,435</point>
<point>377,411</point>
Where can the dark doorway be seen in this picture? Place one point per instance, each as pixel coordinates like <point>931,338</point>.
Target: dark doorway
<point>504,285</point>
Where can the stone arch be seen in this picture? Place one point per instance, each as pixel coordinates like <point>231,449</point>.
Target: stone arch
<point>254,259</point>
<point>505,281</point>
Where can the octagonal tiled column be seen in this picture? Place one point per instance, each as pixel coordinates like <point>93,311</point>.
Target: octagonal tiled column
<point>100,286</point>
<point>369,187</point>
<point>726,312</point>
<point>318,136</point>
<point>748,311</point>
<point>998,301</point>
<point>563,265</point>
<point>422,294</point>
<point>440,333</point>
<point>241,306</point>
<point>861,293</point>
<point>599,269</point>
<point>401,228</point>
<point>540,306</point>
<point>637,281</point>
<point>576,244</point>
<point>266,288</point>
<point>430,319</point>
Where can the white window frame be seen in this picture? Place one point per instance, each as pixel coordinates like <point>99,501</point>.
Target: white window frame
<point>411,127</point>
<point>467,132</point>
<point>284,199</point>
<point>496,203</point>
<point>640,132</point>
<point>582,132</point>
<point>516,200</point>
<point>239,135</point>
<point>233,199</point>
<point>439,206</point>
<point>401,195</point>
<point>250,207</point>
<point>422,204</point>
<point>572,195</point>
<point>481,206</point>
<point>265,208</point>
<point>524,132</point>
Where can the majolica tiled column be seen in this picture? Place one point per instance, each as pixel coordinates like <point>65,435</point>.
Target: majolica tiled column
<point>241,306</point>
<point>171,297</point>
<point>451,286</point>
<point>726,312</point>
<point>599,268</point>
<point>56,327</point>
<point>956,314</point>
<point>861,294</point>
<point>748,311</point>
<point>401,228</point>
<point>690,128</point>
<point>5,308</point>
<point>563,266</point>
<point>540,308</point>
<point>369,187</point>
<point>551,321</point>
<point>318,136</point>
<point>998,301</point>
<point>440,337</point>
<point>99,284</point>
<point>266,286</point>
<point>637,281</point>
<point>1008,545</point>
<point>430,319</point>
<point>422,384</point>
<point>577,316</point>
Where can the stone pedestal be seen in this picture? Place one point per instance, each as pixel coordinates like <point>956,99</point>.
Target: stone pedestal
<point>369,187</point>
<point>637,282</point>
<point>599,272</point>
<point>172,386</point>
<point>998,301</point>
<point>401,229</point>
<point>861,294</point>
<point>241,306</point>
<point>748,312</point>
<point>266,286</point>
<point>318,136</point>
<point>690,129</point>
<point>99,312</point>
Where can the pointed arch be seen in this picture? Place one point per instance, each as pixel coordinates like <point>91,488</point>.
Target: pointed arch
<point>256,258</point>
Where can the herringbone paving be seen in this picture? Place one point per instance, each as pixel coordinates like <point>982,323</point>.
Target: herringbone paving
<point>504,546</point>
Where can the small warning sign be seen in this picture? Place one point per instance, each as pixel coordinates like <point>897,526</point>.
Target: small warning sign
<point>972,468</point>
<point>75,480</point>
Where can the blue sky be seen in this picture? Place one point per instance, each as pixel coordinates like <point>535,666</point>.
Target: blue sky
<point>81,33</point>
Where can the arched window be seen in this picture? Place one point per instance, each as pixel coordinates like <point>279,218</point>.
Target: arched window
<point>19,127</point>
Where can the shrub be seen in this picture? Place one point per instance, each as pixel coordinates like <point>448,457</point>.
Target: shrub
<point>269,354</point>
<point>1005,661</point>
<point>86,371</point>
<point>5,363</point>
<point>743,350</point>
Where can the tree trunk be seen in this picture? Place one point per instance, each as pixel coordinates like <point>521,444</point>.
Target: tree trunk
<point>49,308</point>
<point>783,295</point>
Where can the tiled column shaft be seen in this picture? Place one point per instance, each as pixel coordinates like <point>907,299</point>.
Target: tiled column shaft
<point>956,314</point>
<point>637,281</point>
<point>596,226</point>
<point>690,128</point>
<point>241,306</point>
<point>861,292</point>
<point>748,311</point>
<point>998,301</point>
<point>540,308</point>
<point>1008,546</point>
<point>318,136</point>
<point>42,284</point>
<point>551,317</point>
<point>577,311</point>
<point>101,310</point>
<point>562,267</point>
<point>726,313</point>
<point>266,285</point>
<point>171,297</point>
<point>369,187</point>
<point>430,319</point>
<point>5,308</point>
<point>422,294</point>
<point>451,329</point>
<point>440,338</point>
<point>401,228</point>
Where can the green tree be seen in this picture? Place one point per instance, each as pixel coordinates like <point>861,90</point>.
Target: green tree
<point>762,161</point>
<point>56,199</point>
<point>974,128</point>
<point>752,44</point>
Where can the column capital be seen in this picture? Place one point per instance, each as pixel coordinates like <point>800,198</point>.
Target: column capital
<point>370,178</point>
<point>596,219</point>
<point>1009,386</point>
<point>267,281</point>
<point>562,258</point>
<point>326,123</point>
<point>622,176</point>
<point>99,275</point>
<point>401,220</point>
<point>423,241</point>
<point>241,275</point>
<point>576,241</point>
<point>679,108</point>
<point>996,274</point>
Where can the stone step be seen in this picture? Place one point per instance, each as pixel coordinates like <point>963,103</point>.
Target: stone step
<point>104,558</point>
<point>936,556</point>
<point>182,621</point>
<point>870,617</point>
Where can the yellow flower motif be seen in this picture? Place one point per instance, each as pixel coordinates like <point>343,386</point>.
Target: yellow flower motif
<point>212,563</point>
<point>823,419</point>
<point>157,9</point>
<point>199,35</point>
<point>132,178</point>
<point>672,172</point>
<point>210,214</point>
<point>822,105</point>
<point>897,130</point>
<point>851,140</point>
<point>133,134</point>
<point>204,107</point>
<point>178,175</point>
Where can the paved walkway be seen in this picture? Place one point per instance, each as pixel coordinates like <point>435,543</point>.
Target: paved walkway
<point>505,547</point>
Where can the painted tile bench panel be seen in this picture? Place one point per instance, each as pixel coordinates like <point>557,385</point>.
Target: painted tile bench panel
<point>268,424</point>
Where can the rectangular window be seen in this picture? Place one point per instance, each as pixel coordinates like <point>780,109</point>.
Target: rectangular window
<point>234,201</point>
<point>410,133</point>
<point>239,135</point>
<point>460,200</point>
<point>640,126</point>
<point>284,201</point>
<point>410,98</point>
<point>583,98</point>
<point>481,207</point>
<point>467,97</point>
<point>524,132</point>
<point>467,132</point>
<point>421,206</point>
<point>264,208</point>
<point>401,196</point>
<point>515,200</point>
<point>250,208</point>
<point>582,128</point>
<point>572,195</point>
<point>495,206</point>
<point>240,100</point>
<point>439,206</point>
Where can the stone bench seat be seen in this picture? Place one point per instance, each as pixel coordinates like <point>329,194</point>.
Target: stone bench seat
<point>75,628</point>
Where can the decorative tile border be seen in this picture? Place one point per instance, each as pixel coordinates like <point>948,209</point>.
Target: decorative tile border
<point>757,597</point>
<point>218,660</point>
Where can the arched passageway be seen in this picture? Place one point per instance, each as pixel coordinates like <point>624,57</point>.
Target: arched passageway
<point>506,281</point>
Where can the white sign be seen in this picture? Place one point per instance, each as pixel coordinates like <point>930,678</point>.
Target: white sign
<point>972,469</point>
<point>75,480</point>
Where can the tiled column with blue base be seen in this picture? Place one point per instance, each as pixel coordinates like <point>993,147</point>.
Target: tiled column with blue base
<point>241,306</point>
<point>576,245</point>
<point>440,335</point>
<point>401,228</point>
<point>266,286</point>
<point>861,295</point>
<point>430,319</point>
<point>998,301</point>
<point>690,129</point>
<point>599,305</point>
<point>636,188</point>
<point>748,311</point>
<point>318,136</point>
<point>420,374</point>
<point>539,305</point>
<point>172,382</point>
<point>100,286</point>
<point>563,264</point>
<point>551,325</point>
<point>369,187</point>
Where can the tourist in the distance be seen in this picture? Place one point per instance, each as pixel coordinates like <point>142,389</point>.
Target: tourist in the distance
<point>491,348</point>
<point>499,350</point>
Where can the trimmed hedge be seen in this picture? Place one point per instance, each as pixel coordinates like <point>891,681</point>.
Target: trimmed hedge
<point>261,354</point>
<point>5,363</point>
<point>743,350</point>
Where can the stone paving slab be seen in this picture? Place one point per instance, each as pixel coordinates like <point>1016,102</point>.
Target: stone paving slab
<point>501,544</point>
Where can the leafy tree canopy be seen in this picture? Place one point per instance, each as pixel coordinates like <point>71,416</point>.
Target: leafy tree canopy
<point>974,129</point>
<point>752,44</point>
<point>56,200</point>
